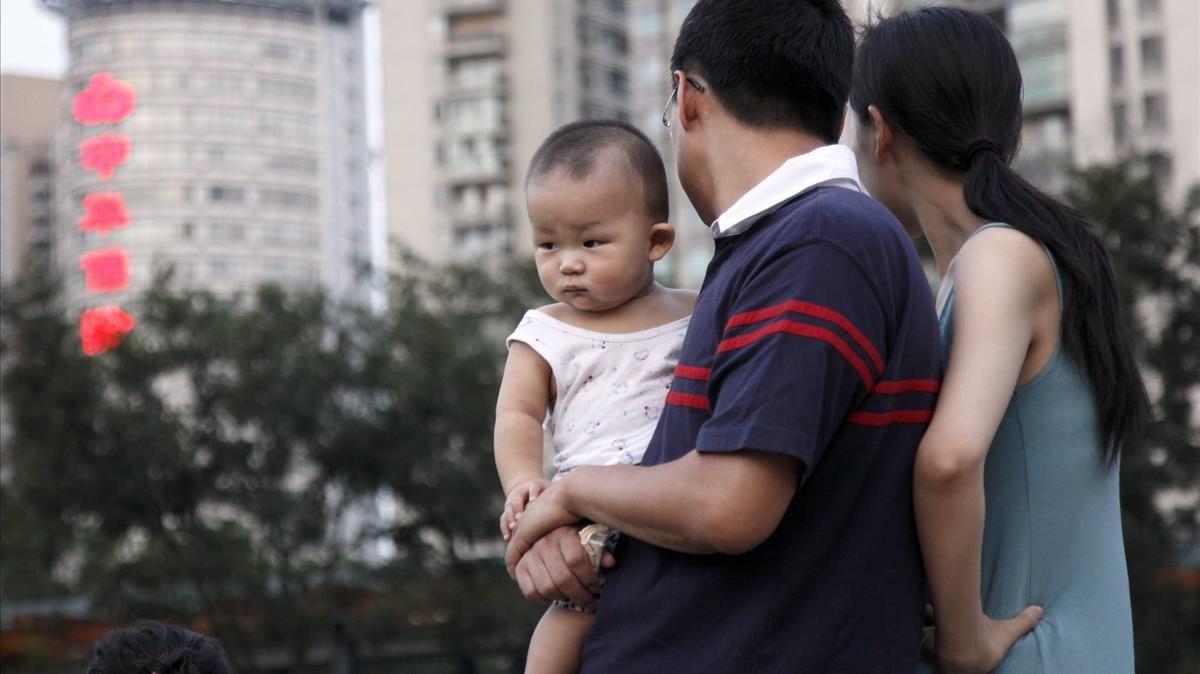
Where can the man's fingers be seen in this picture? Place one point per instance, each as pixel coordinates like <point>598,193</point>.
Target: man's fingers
<point>607,561</point>
<point>505,528</point>
<point>567,584</point>
<point>536,490</point>
<point>579,564</point>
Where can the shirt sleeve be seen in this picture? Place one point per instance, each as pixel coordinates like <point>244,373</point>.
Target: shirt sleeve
<point>801,349</point>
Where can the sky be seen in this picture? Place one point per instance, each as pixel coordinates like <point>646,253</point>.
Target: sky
<point>33,40</point>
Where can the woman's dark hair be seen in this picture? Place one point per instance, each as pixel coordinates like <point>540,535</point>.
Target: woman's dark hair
<point>772,63</point>
<point>948,80</point>
<point>154,648</point>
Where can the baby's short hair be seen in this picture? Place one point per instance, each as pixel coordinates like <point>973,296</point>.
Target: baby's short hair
<point>573,148</point>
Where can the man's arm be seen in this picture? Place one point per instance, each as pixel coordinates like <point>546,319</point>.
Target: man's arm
<point>702,503</point>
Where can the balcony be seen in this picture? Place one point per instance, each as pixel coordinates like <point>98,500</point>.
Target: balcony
<point>474,44</point>
<point>471,6</point>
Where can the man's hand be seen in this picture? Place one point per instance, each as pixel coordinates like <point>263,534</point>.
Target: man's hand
<point>514,504</point>
<point>540,517</point>
<point>557,567</point>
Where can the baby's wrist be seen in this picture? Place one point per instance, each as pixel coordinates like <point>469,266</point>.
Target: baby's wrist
<point>518,482</point>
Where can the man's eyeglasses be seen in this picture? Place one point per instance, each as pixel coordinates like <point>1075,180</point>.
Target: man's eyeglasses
<point>666,118</point>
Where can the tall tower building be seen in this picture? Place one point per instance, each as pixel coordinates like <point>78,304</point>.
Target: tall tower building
<point>470,89</point>
<point>1104,80</point>
<point>249,151</point>
<point>28,117</point>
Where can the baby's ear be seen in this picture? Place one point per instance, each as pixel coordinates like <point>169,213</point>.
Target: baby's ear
<point>662,237</point>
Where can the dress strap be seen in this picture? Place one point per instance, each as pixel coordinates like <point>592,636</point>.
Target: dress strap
<point>1058,281</point>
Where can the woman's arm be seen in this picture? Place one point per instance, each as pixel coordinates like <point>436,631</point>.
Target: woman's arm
<point>1000,280</point>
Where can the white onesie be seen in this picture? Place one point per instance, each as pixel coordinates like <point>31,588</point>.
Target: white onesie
<point>611,387</point>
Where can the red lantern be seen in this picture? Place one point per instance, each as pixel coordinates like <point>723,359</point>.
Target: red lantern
<point>103,211</point>
<point>104,101</point>
<point>103,328</point>
<point>105,271</point>
<point>104,153</point>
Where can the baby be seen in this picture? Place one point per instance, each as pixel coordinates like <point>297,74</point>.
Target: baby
<point>596,366</point>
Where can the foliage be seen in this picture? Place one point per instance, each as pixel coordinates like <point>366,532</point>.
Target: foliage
<point>229,458</point>
<point>1156,256</point>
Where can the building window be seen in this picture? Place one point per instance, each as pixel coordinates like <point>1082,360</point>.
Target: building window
<point>1114,12</point>
<point>1116,65</point>
<point>1149,7</point>
<point>1154,112</point>
<point>224,194</point>
<point>648,22</point>
<point>187,231</point>
<point>1152,55</point>
<point>618,83</point>
<point>1120,117</point>
<point>219,267</point>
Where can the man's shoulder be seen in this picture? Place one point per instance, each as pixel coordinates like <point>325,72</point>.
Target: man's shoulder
<point>838,215</point>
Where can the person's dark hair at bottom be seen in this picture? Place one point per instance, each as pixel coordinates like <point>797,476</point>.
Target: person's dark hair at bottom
<point>154,648</point>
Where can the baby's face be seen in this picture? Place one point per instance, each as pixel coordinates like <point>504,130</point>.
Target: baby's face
<point>592,237</point>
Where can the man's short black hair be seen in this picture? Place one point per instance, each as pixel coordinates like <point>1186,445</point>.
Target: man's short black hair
<point>772,63</point>
<point>574,148</point>
<point>154,648</point>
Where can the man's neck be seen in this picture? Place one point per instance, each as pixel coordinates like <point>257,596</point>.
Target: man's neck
<point>750,157</point>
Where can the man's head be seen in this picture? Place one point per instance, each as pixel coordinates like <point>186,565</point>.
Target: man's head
<point>773,66</point>
<point>597,198</point>
<point>154,648</point>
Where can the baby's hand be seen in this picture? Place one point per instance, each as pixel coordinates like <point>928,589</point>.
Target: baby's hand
<point>515,504</point>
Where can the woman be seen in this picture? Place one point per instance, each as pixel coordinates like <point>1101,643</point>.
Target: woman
<point>1041,393</point>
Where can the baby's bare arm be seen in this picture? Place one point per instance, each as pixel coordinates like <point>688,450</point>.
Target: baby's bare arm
<point>520,411</point>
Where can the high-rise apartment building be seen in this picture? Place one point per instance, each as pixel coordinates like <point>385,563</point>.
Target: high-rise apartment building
<point>249,151</point>
<point>28,118</point>
<point>1104,80</point>
<point>654,26</point>
<point>470,89</point>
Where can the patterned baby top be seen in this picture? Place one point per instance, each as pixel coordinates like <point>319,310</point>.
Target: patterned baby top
<point>611,387</point>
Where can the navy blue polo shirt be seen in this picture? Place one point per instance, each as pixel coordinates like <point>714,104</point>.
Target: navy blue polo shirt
<point>815,336</point>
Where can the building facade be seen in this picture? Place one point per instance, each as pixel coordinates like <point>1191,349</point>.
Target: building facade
<point>470,89</point>
<point>1105,80</point>
<point>249,153</point>
<point>28,119</point>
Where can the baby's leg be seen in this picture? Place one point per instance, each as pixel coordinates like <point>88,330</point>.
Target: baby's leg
<point>557,644</point>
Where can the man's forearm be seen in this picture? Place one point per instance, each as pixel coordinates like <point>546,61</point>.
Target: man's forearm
<point>698,504</point>
<point>645,503</point>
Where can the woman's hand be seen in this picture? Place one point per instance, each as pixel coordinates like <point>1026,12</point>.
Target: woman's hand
<point>991,642</point>
<point>514,504</point>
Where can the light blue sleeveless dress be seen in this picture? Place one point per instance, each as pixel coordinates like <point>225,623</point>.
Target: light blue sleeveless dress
<point>1052,528</point>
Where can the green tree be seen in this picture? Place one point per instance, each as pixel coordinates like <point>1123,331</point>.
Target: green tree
<point>1156,257</point>
<point>224,461</point>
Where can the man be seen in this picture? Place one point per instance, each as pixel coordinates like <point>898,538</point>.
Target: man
<point>769,527</point>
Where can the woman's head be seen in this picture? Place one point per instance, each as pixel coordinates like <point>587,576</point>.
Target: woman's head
<point>941,83</point>
<point>939,89</point>
<point>154,648</point>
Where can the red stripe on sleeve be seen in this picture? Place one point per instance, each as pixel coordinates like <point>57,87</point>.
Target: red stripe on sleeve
<point>908,386</point>
<point>888,418</point>
<point>692,372</point>
<point>803,330</point>
<point>692,400</point>
<point>817,311</point>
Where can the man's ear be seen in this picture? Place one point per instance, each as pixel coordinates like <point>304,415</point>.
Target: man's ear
<point>884,139</point>
<point>662,237</point>
<point>688,103</point>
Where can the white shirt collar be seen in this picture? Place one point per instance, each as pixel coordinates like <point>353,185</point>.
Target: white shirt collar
<point>826,165</point>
